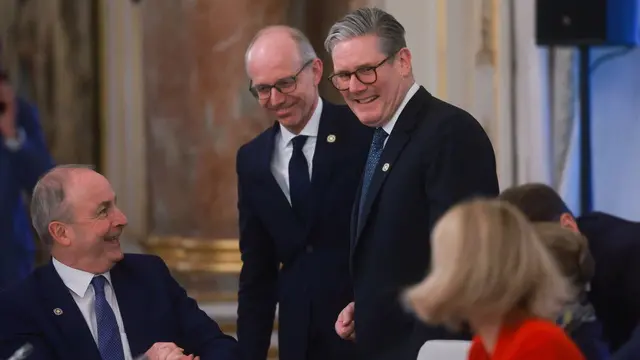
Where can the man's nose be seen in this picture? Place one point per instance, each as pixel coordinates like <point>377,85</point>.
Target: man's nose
<point>355,85</point>
<point>276,98</point>
<point>120,219</point>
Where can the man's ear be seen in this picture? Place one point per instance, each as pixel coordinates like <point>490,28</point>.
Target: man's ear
<point>60,233</point>
<point>567,221</point>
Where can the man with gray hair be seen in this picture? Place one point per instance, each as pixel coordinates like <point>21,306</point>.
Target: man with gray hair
<point>296,185</point>
<point>92,301</point>
<point>426,155</point>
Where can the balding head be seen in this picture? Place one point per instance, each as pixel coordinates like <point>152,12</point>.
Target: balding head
<point>284,74</point>
<point>49,201</point>
<point>277,44</point>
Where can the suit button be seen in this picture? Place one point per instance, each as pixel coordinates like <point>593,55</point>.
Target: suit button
<point>309,249</point>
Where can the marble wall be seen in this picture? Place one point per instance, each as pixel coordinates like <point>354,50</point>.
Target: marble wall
<point>198,108</point>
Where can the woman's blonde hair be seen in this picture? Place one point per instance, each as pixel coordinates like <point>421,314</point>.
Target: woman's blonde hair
<point>570,250</point>
<point>487,261</point>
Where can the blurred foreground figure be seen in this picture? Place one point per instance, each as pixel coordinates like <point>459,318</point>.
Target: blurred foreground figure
<point>93,302</point>
<point>491,270</point>
<point>614,244</point>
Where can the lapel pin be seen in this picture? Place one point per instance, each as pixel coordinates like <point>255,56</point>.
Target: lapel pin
<point>331,138</point>
<point>385,167</point>
<point>57,311</point>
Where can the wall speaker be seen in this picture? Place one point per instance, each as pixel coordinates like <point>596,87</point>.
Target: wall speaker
<point>588,22</point>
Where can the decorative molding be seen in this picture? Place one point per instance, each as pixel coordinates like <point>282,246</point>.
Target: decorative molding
<point>123,124</point>
<point>195,255</point>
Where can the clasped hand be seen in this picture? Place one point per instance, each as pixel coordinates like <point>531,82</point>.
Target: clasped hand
<point>167,351</point>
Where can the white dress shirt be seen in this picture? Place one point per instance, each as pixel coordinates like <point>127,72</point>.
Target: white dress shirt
<point>79,284</point>
<point>283,149</point>
<point>388,127</point>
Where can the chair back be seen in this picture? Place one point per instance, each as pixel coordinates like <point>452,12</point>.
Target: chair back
<point>444,350</point>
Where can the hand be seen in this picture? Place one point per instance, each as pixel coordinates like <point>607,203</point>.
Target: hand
<point>8,116</point>
<point>345,325</point>
<point>167,351</point>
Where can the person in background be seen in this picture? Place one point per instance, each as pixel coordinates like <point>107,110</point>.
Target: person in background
<point>426,155</point>
<point>92,301</point>
<point>23,159</point>
<point>296,186</point>
<point>571,251</point>
<point>615,247</point>
<point>490,269</point>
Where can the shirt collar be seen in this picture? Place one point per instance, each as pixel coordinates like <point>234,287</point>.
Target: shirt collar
<point>76,280</point>
<point>311,129</point>
<point>388,127</point>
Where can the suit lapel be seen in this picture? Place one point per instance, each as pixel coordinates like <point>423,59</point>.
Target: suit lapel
<point>133,307</point>
<point>327,146</point>
<point>60,306</point>
<point>279,203</point>
<point>398,139</point>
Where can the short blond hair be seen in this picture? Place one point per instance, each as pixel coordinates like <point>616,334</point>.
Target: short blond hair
<point>487,261</point>
<point>570,250</point>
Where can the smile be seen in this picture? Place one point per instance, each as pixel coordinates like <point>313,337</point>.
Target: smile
<point>366,100</point>
<point>112,238</point>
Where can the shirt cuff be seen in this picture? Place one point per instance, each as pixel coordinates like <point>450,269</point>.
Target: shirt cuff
<point>16,143</point>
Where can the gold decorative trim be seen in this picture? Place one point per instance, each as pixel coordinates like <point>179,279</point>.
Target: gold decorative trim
<point>195,254</point>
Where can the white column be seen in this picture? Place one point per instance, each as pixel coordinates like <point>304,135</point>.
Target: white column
<point>462,54</point>
<point>123,125</point>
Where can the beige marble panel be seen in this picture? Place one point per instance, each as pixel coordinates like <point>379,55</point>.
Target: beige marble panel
<point>199,110</point>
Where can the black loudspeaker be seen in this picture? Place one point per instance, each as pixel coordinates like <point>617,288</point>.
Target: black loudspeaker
<point>571,22</point>
<point>588,22</point>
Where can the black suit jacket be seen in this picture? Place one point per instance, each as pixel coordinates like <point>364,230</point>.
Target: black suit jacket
<point>312,286</point>
<point>153,306</point>
<point>615,287</point>
<point>436,156</point>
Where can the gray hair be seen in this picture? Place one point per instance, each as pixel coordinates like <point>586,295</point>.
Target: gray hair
<point>305,49</point>
<point>368,21</point>
<point>48,200</point>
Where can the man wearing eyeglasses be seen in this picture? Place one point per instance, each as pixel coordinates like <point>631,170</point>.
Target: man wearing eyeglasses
<point>425,156</point>
<point>296,186</point>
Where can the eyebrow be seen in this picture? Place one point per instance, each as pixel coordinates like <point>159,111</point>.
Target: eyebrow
<point>356,68</point>
<point>107,203</point>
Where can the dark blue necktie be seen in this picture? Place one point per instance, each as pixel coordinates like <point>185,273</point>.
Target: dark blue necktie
<point>109,342</point>
<point>299,182</point>
<point>375,152</point>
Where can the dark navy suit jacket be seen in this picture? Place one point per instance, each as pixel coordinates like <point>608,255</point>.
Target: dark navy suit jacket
<point>312,286</point>
<point>615,287</point>
<point>436,156</point>
<point>19,172</point>
<point>153,306</point>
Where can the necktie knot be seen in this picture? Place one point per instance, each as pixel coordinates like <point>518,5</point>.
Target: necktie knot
<point>298,142</point>
<point>98,284</point>
<point>379,136</point>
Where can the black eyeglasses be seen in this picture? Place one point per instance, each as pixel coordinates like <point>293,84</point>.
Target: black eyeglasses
<point>284,86</point>
<point>365,74</point>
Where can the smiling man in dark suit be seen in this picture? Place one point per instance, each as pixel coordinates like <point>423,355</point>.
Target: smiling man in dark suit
<point>93,302</point>
<point>296,186</point>
<point>426,155</point>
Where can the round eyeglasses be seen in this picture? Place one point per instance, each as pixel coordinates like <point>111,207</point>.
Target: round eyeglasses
<point>284,86</point>
<point>365,74</point>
